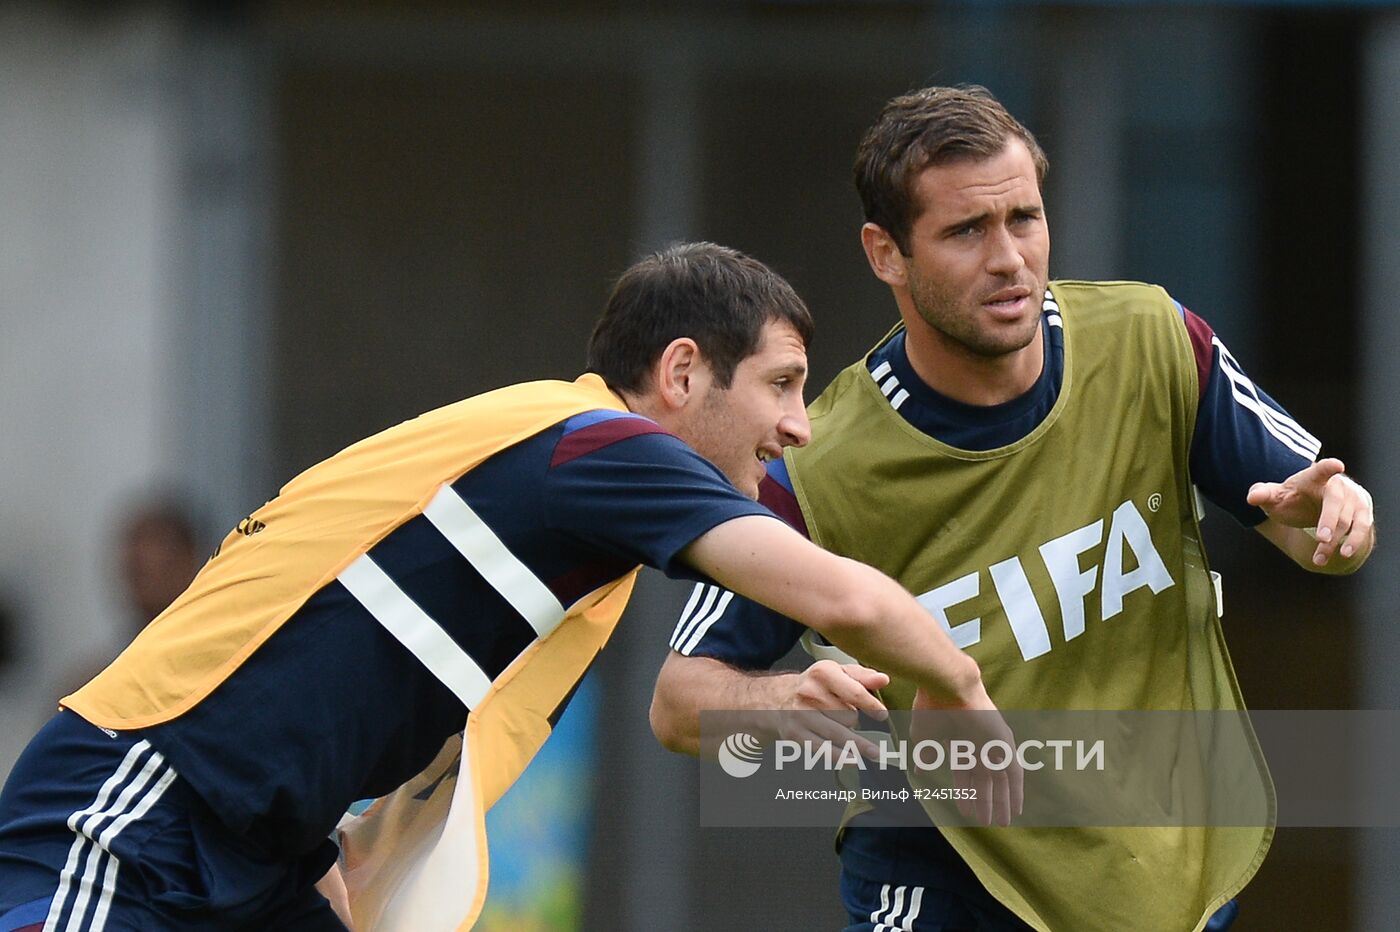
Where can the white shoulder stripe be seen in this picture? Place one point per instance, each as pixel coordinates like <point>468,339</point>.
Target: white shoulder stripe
<point>1283,428</point>
<point>888,386</point>
<point>475,540</point>
<point>708,621</point>
<point>880,371</point>
<point>412,628</point>
<point>1238,379</point>
<point>900,397</point>
<point>695,594</point>
<point>690,620</point>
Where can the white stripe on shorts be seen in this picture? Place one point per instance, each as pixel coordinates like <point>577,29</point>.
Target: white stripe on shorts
<point>109,835</point>
<point>892,920</point>
<point>136,796</point>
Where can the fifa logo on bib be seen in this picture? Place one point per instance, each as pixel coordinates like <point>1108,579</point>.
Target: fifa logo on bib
<point>740,755</point>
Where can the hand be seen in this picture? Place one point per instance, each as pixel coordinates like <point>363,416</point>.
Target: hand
<point>999,794</point>
<point>1321,496</point>
<point>841,692</point>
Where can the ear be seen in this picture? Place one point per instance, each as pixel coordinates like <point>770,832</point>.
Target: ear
<point>681,374</point>
<point>885,259</point>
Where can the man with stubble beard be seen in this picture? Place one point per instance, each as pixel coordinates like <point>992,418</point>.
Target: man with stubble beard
<point>998,452</point>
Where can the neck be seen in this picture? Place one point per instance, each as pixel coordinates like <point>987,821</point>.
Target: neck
<point>647,405</point>
<point>953,370</point>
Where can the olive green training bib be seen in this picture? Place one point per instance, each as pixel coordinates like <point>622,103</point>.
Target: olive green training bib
<point>1069,565</point>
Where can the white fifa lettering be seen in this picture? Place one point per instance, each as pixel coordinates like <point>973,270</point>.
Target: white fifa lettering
<point>1061,557</point>
<point>1027,623</point>
<point>1129,527</point>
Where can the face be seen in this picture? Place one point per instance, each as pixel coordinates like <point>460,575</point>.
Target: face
<point>742,427</point>
<point>980,253</point>
<point>156,566</point>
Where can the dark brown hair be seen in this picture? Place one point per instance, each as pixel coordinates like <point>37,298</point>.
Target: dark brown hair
<point>933,126</point>
<point>715,295</point>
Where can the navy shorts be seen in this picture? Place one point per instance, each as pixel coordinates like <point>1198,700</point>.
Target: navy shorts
<point>884,907</point>
<point>98,831</point>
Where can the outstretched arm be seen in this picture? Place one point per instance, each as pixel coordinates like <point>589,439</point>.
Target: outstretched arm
<point>688,685</point>
<point>863,612</point>
<point>857,608</point>
<point>1321,496</point>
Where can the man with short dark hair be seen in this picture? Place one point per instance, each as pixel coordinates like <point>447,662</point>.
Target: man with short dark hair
<point>1022,452</point>
<point>464,566</point>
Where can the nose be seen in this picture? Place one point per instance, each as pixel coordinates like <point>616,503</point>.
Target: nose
<point>1004,257</point>
<point>794,430</point>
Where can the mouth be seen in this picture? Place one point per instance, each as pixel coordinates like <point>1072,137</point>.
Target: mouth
<point>766,455</point>
<point>1008,300</point>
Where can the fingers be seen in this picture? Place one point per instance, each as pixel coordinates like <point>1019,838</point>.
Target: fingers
<point>1325,469</point>
<point>826,701</point>
<point>1298,500</point>
<point>1329,530</point>
<point>819,728</point>
<point>1344,522</point>
<point>1265,495</point>
<point>985,802</point>
<point>1359,536</point>
<point>870,679</point>
<point>829,685</point>
<point>996,795</point>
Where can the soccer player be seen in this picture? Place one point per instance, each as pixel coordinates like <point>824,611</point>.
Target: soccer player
<point>1022,452</point>
<point>465,566</point>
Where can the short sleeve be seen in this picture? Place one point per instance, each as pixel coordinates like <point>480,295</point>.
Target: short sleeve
<point>622,485</point>
<point>718,624</point>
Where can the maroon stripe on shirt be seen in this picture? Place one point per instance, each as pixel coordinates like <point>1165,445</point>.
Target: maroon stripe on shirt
<point>782,503</point>
<point>1201,347</point>
<point>569,587</point>
<point>586,440</point>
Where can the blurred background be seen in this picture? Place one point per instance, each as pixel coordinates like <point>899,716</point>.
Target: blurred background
<point>236,237</point>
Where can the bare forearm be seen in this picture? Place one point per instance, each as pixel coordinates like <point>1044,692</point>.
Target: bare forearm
<point>857,608</point>
<point>688,685</point>
<point>900,637</point>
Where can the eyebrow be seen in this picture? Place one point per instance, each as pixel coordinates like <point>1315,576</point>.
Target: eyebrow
<point>978,219</point>
<point>791,368</point>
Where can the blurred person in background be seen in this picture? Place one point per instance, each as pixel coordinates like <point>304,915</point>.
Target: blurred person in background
<point>158,553</point>
<point>155,542</point>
